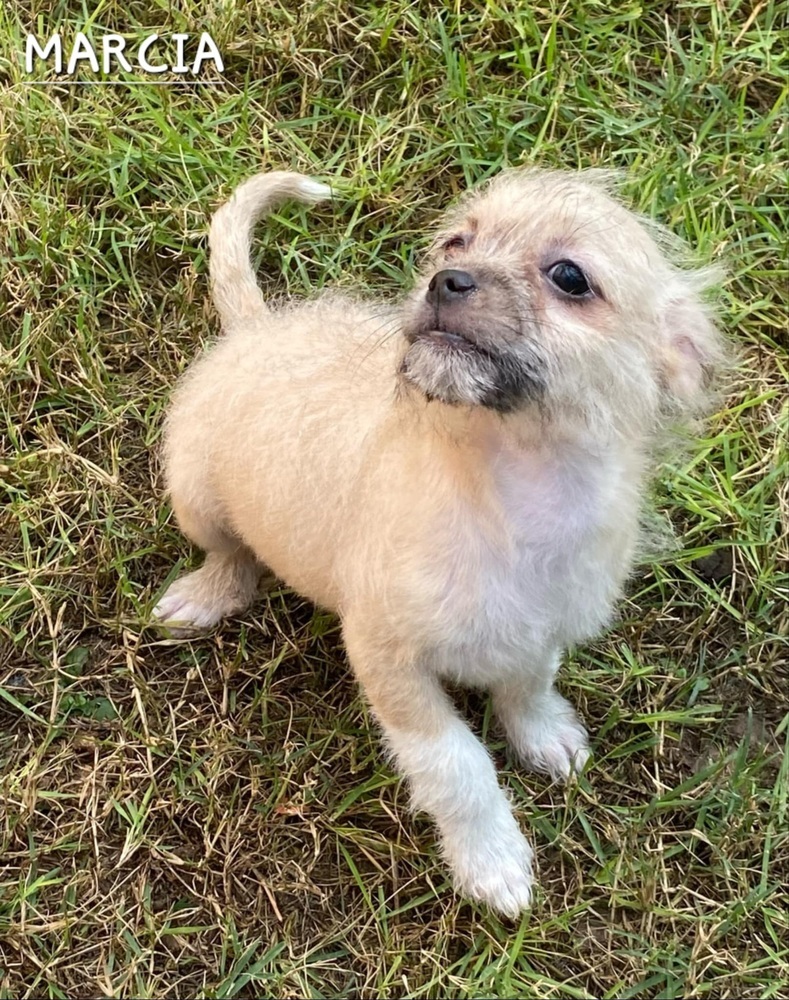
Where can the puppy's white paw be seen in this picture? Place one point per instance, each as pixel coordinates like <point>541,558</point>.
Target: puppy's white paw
<point>184,609</point>
<point>492,863</point>
<point>550,737</point>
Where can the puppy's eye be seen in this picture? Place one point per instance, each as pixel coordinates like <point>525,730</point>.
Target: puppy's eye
<point>455,243</point>
<point>569,278</point>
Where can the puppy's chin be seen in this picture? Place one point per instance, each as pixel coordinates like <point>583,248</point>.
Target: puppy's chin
<point>450,368</point>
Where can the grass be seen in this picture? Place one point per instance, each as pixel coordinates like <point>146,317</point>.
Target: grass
<point>214,818</point>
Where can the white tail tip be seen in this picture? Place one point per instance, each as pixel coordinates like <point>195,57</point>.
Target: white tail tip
<point>313,190</point>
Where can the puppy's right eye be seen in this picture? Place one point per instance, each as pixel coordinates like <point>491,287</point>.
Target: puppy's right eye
<point>455,243</point>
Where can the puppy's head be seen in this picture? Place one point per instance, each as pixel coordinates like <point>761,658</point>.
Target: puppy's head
<point>544,291</point>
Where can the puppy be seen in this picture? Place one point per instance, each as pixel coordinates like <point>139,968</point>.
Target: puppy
<point>457,475</point>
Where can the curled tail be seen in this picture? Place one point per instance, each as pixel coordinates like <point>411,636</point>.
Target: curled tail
<point>234,287</point>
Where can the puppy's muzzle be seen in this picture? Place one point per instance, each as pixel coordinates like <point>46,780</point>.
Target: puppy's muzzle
<point>450,287</point>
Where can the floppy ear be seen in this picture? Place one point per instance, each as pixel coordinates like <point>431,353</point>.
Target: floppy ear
<point>691,352</point>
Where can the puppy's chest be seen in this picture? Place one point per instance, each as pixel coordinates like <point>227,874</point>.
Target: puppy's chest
<point>540,567</point>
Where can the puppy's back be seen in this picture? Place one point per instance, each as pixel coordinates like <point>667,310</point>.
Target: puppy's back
<point>274,420</point>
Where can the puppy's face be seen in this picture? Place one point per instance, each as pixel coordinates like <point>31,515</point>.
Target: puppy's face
<point>543,290</point>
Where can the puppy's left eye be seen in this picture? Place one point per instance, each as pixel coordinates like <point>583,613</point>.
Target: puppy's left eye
<point>569,278</point>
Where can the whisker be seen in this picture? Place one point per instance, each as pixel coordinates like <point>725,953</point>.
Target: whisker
<point>379,342</point>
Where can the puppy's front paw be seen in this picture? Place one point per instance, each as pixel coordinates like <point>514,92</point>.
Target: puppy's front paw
<point>548,736</point>
<point>492,863</point>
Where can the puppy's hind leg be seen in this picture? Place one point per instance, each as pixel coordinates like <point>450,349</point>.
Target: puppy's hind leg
<point>450,773</point>
<point>225,584</point>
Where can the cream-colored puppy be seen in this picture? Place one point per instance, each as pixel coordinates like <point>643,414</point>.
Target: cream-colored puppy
<point>458,475</point>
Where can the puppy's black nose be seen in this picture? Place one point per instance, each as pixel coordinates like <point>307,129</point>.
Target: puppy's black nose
<point>450,286</point>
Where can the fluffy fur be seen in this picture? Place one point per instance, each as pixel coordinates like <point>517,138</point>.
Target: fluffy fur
<point>457,475</point>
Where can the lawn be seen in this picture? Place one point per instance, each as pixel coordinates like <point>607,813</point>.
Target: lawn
<point>214,818</point>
